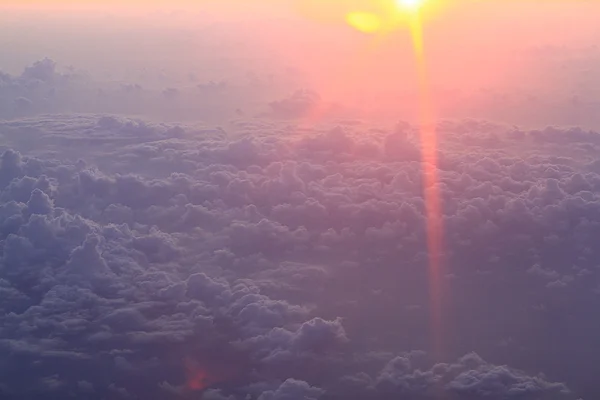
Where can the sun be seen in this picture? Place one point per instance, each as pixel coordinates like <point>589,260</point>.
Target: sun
<point>412,5</point>
<point>385,16</point>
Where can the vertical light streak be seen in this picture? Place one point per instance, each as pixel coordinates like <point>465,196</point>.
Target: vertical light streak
<point>434,214</point>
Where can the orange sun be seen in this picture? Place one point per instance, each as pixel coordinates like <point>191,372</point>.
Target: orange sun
<point>385,15</point>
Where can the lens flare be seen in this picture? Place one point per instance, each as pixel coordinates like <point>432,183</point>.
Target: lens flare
<point>364,22</point>
<point>429,149</point>
<point>198,377</point>
<point>390,16</point>
<point>380,18</point>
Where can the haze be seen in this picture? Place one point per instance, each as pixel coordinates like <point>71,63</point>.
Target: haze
<point>487,58</point>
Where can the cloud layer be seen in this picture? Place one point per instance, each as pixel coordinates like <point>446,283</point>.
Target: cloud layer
<point>280,262</point>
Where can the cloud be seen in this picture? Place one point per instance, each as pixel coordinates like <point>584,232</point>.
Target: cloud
<point>47,87</point>
<point>281,268</point>
<point>292,389</point>
<point>470,378</point>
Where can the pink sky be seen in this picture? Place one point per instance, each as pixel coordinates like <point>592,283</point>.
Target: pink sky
<point>470,44</point>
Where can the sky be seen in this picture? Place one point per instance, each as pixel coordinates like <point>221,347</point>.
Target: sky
<point>299,200</point>
<point>486,58</point>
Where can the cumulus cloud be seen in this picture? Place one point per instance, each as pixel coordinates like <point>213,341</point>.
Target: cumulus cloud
<point>280,263</point>
<point>470,378</point>
<point>292,389</point>
<point>48,87</point>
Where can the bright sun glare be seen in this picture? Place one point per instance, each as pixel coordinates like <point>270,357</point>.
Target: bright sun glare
<point>386,16</point>
<point>410,4</point>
